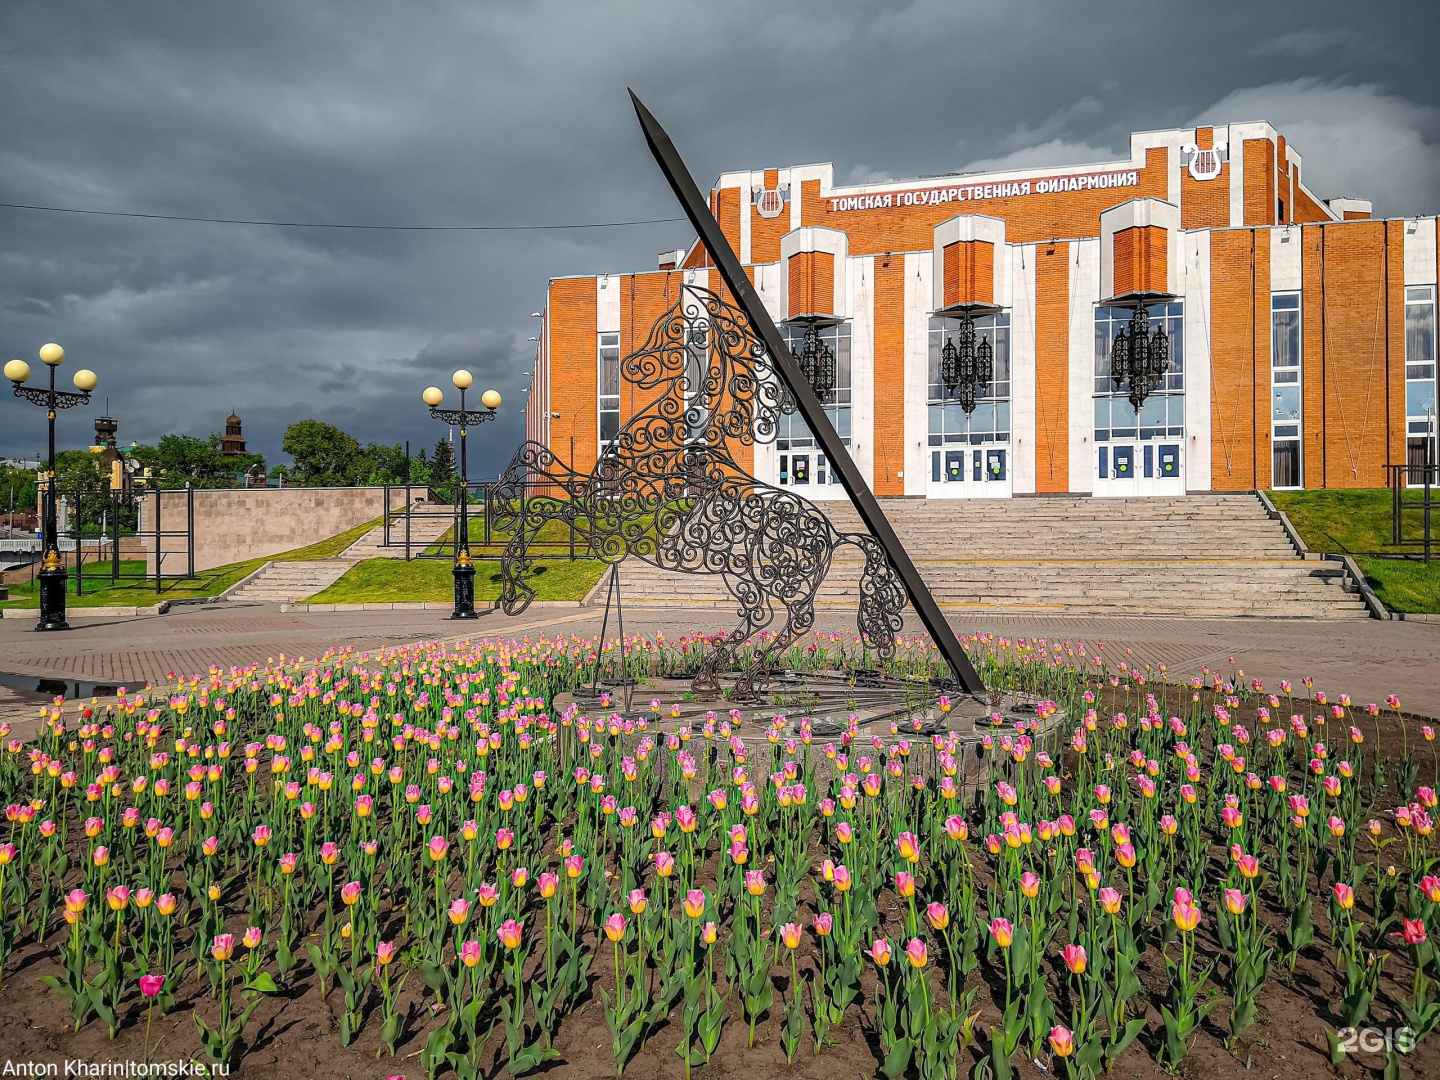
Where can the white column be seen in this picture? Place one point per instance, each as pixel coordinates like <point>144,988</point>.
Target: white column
<point>1195,284</point>
<point>746,198</point>
<point>860,304</point>
<point>607,304</point>
<point>919,271</point>
<point>1084,295</point>
<point>1022,369</point>
<point>1420,251</point>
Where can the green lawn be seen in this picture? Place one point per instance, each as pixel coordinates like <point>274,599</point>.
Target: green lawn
<point>1357,522</point>
<point>1404,584</point>
<point>100,593</point>
<point>383,581</point>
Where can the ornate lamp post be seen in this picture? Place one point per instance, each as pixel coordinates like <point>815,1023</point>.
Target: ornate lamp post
<point>52,574</point>
<point>464,569</point>
<point>969,368</point>
<point>817,362</point>
<point>1140,357</point>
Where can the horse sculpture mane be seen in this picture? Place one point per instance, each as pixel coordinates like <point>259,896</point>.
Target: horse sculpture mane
<point>668,490</point>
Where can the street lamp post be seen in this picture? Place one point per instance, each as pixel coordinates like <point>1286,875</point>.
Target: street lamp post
<point>53,576</point>
<point>464,570</point>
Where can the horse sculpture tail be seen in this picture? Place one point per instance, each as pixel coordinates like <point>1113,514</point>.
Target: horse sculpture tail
<point>882,596</point>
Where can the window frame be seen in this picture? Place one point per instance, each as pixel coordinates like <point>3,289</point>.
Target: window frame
<point>607,405</point>
<point>1287,432</point>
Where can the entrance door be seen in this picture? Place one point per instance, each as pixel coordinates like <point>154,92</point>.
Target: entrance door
<point>1140,468</point>
<point>969,472</point>
<point>809,473</point>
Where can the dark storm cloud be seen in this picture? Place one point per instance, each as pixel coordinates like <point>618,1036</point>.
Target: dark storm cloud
<point>466,113</point>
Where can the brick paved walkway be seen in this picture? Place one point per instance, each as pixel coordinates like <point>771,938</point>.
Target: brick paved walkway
<point>1367,659</point>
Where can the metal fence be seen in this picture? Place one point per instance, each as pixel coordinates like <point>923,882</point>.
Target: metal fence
<point>424,522</point>
<point>106,519</point>
<point>1412,477</point>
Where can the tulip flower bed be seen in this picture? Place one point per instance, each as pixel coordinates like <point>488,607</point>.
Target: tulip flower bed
<point>416,856</point>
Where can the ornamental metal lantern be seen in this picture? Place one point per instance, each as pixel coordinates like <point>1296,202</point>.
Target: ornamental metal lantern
<point>817,362</point>
<point>968,368</point>
<point>1140,357</point>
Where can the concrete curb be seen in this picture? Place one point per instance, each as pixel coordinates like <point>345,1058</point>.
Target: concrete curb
<point>84,612</point>
<point>592,598</point>
<point>542,605</point>
<point>1291,533</point>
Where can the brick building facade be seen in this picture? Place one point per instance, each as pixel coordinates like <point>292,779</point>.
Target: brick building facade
<point>1301,332</point>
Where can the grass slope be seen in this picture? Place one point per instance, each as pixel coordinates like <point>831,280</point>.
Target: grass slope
<point>100,593</point>
<point>1357,522</point>
<point>383,581</point>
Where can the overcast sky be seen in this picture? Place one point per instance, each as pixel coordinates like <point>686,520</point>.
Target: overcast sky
<point>468,113</point>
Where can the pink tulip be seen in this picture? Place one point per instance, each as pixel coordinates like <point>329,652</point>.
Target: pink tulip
<point>916,953</point>
<point>880,951</point>
<point>824,923</point>
<point>151,985</point>
<point>1075,958</point>
<point>509,933</point>
<point>470,953</point>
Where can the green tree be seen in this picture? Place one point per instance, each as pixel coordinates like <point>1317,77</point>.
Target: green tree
<point>442,462</point>
<point>17,489</point>
<point>324,455</point>
<point>386,464</point>
<point>185,459</point>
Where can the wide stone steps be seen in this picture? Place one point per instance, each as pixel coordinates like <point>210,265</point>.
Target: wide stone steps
<point>285,582</point>
<point>1197,555</point>
<point>425,529</point>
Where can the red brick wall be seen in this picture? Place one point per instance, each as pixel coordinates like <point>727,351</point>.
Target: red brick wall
<point>1052,368</point>
<point>812,283</point>
<point>1235,357</point>
<point>969,269</point>
<point>1395,339</point>
<point>1307,209</point>
<point>1028,218</point>
<point>575,371</point>
<point>889,375</point>
<point>1259,182</point>
<point>1354,360</point>
<point>1142,260</point>
<point>1205,204</point>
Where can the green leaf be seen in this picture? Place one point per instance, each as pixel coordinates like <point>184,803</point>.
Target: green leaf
<point>1337,1048</point>
<point>898,1059</point>
<point>264,983</point>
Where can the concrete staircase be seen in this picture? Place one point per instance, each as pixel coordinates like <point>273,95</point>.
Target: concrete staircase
<point>286,582</point>
<point>425,529</point>
<point>1193,555</point>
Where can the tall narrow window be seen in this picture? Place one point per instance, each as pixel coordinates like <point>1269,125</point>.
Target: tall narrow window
<point>1162,416</point>
<point>990,422</point>
<point>609,382</point>
<point>1286,402</point>
<point>1420,419</point>
<point>808,465</point>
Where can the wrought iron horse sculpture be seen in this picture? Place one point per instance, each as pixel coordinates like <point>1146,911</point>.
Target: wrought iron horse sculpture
<point>668,490</point>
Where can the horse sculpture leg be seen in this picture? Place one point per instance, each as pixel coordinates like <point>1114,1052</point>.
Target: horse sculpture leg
<point>756,613</point>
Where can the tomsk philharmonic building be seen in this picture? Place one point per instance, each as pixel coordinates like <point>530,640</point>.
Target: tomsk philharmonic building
<point>1300,332</point>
